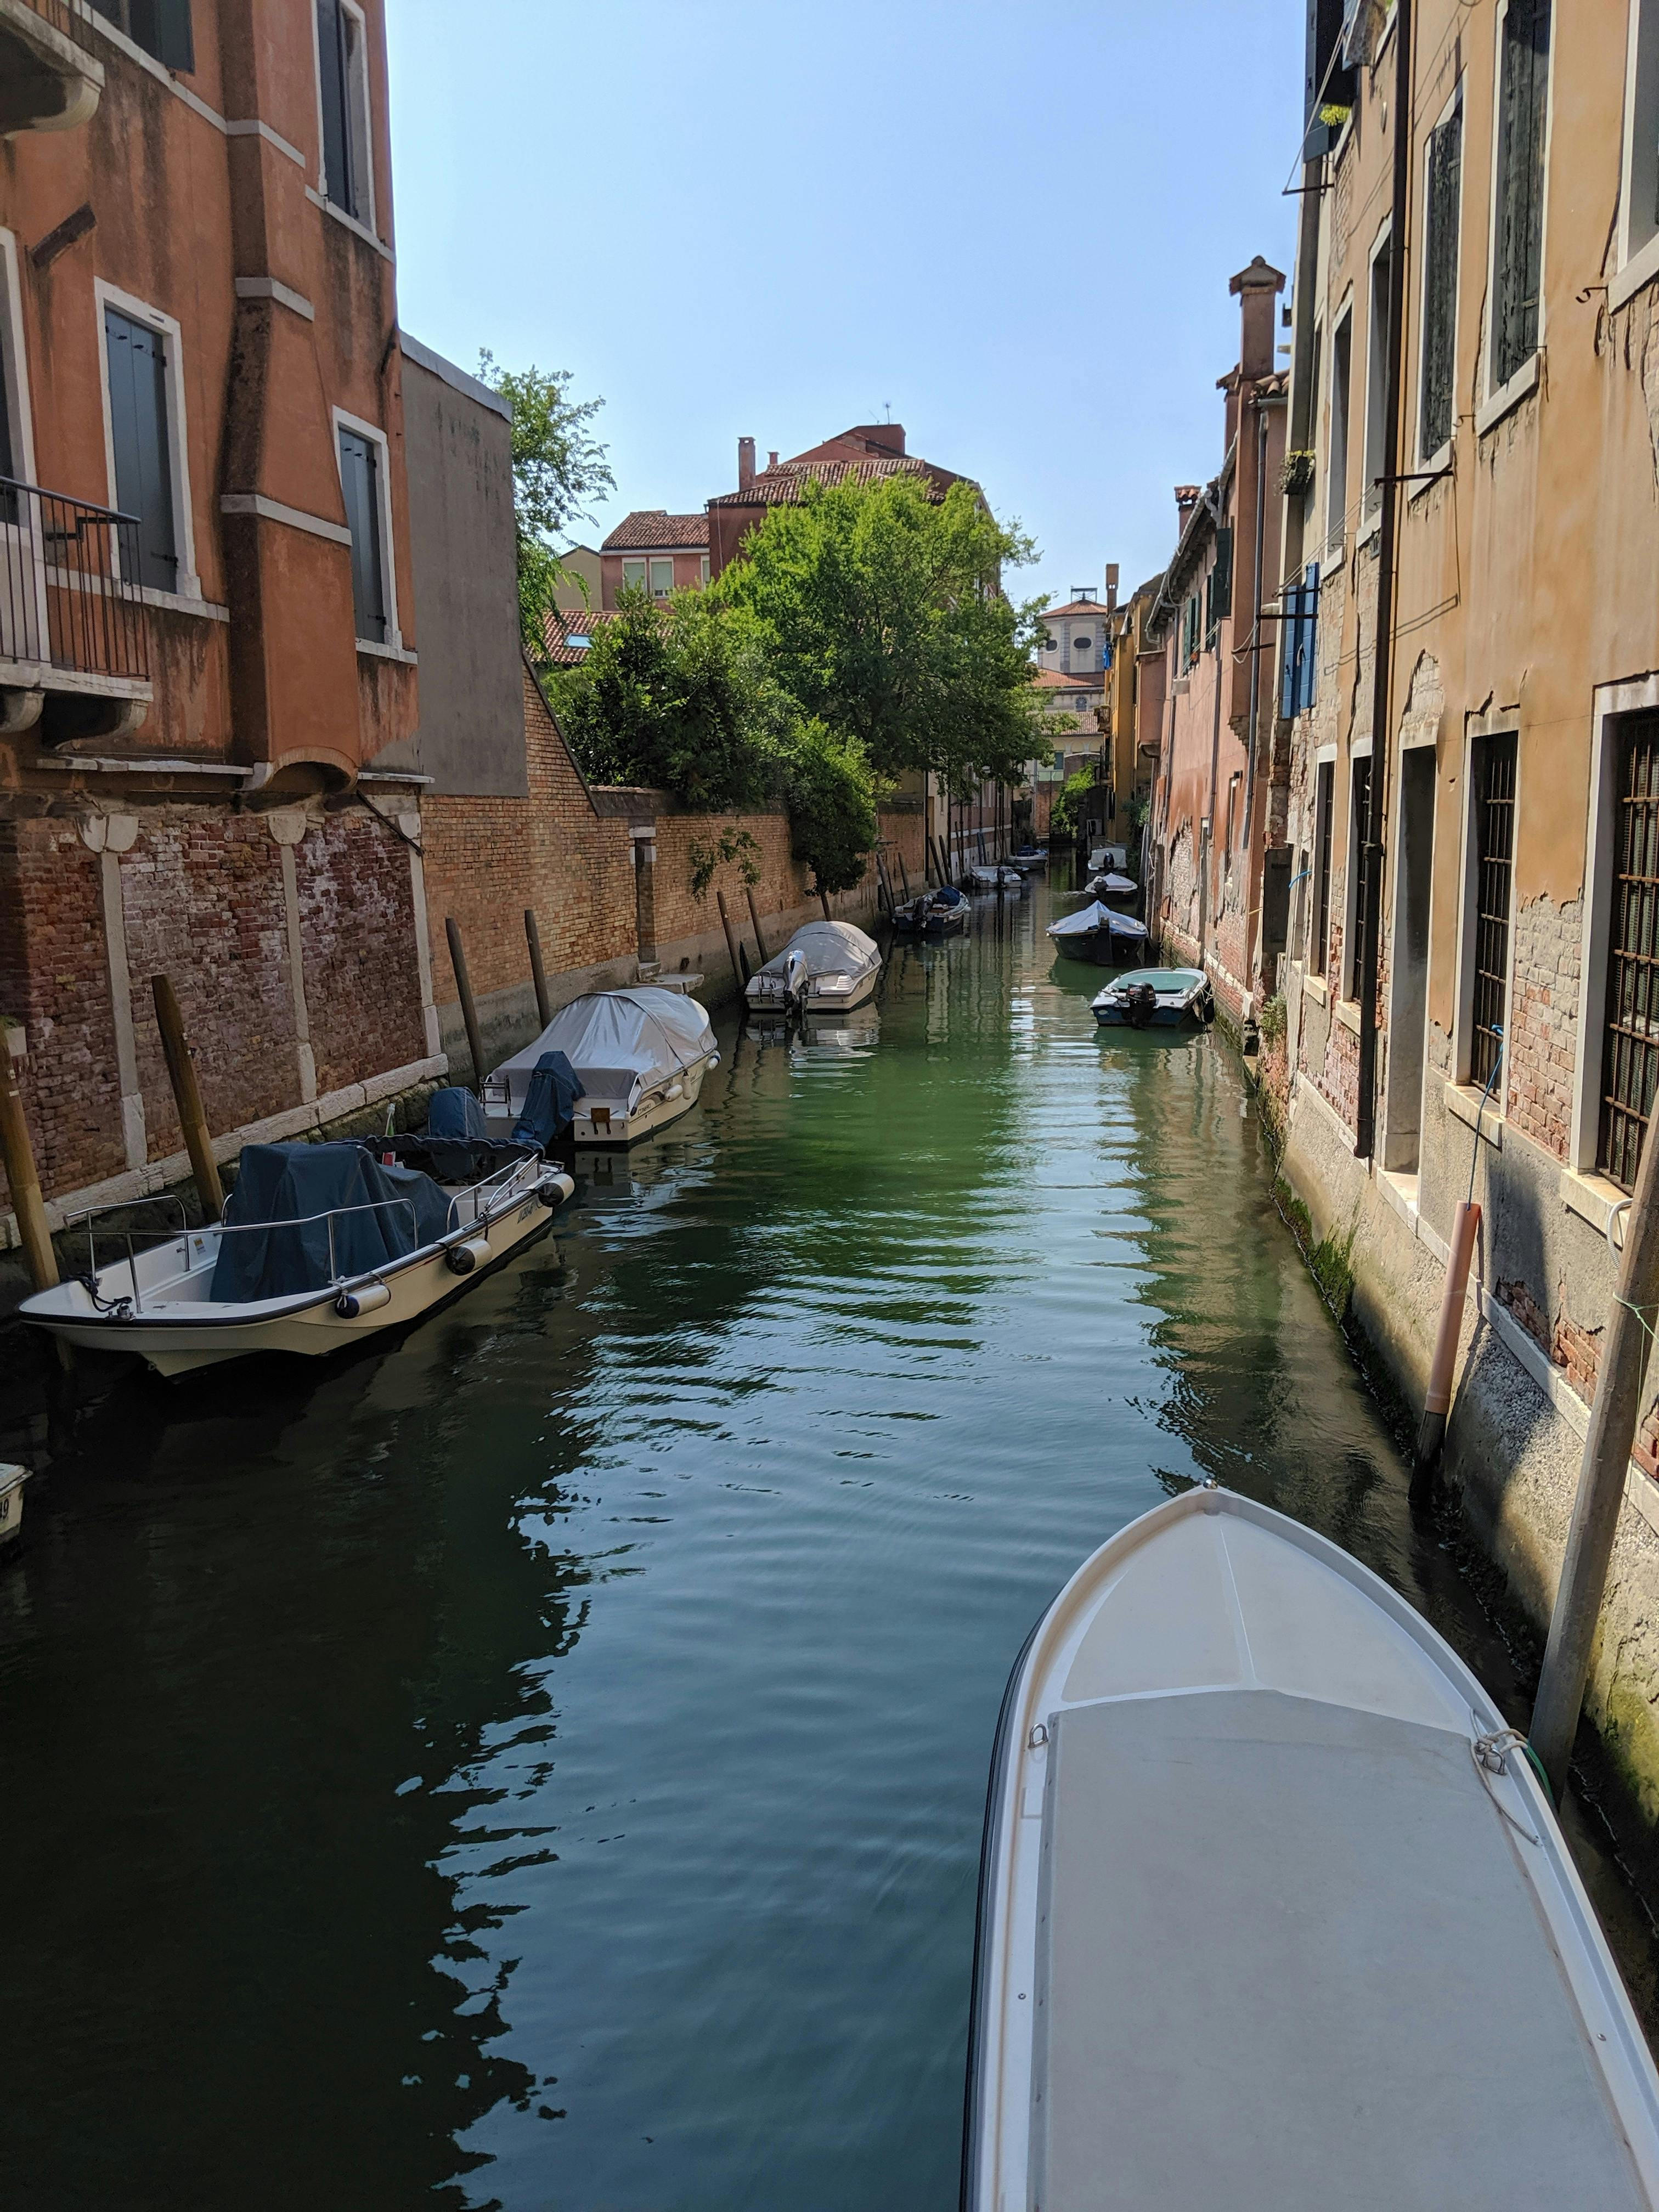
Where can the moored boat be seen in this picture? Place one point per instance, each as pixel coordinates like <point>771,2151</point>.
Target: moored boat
<point>1155,998</point>
<point>321,1246</point>
<point>1006,879</point>
<point>826,966</point>
<point>1275,1913</point>
<point>1029,860</point>
<point>639,1058</point>
<point>1112,885</point>
<point>943,912</point>
<point>1098,933</point>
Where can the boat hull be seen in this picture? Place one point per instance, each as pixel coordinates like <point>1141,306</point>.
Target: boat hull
<point>1165,1018</point>
<point>619,1130</point>
<point>1255,1911</point>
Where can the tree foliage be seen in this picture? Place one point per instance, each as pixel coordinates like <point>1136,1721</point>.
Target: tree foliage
<point>559,467</point>
<point>887,623</point>
<point>831,794</point>
<point>1068,802</point>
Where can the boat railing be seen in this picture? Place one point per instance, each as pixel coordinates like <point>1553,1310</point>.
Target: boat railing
<point>91,1215</point>
<point>475,1194</point>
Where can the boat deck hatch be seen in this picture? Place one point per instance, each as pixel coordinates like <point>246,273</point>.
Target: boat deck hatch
<point>1282,1964</point>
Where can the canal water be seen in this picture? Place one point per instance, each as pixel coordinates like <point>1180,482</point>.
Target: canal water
<point>540,1763</point>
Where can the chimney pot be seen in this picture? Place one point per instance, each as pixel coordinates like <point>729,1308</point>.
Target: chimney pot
<point>745,463</point>
<point>772,458</point>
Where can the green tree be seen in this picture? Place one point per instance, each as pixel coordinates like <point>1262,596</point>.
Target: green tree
<point>832,805</point>
<point>676,695</point>
<point>1068,802</point>
<point>887,623</point>
<point>559,467</point>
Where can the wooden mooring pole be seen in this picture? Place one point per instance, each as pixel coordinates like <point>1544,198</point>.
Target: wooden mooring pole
<point>187,1097</point>
<point>824,901</point>
<point>1614,1412</point>
<point>463,989</point>
<point>537,973</point>
<point>18,1155</point>
<point>754,916</point>
<point>734,944</point>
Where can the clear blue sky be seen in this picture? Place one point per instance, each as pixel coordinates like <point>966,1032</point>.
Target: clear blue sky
<point>1012,221</point>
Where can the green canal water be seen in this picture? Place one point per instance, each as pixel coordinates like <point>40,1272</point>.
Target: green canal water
<point>540,1763</point>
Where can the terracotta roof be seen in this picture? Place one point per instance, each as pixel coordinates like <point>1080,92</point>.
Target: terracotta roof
<point>564,625</point>
<point>655,526</point>
<point>1076,607</point>
<point>1056,679</point>
<point>783,485</point>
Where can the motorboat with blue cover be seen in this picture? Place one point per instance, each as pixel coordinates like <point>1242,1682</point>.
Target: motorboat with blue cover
<point>1155,998</point>
<point>943,912</point>
<point>321,1246</point>
<point>1029,860</point>
<point>1098,933</point>
<point>636,1059</point>
<point>826,967</point>
<point>1274,1912</point>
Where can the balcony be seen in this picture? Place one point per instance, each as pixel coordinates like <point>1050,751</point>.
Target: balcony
<point>49,78</point>
<point>74,637</point>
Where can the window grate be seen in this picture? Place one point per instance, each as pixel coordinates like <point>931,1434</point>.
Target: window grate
<point>1324,792</point>
<point>1440,284</point>
<point>1360,862</point>
<point>1630,1053</point>
<point>1494,877</point>
<point>1522,97</point>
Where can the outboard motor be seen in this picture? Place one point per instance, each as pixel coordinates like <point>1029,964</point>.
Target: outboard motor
<point>796,979</point>
<point>1140,1005</point>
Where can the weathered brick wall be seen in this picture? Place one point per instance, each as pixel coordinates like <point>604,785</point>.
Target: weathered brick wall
<point>1543,1021</point>
<point>357,925</point>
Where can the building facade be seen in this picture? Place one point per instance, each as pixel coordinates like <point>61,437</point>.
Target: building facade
<point>651,550</point>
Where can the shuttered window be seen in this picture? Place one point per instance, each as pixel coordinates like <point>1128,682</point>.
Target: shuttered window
<point>161,27</point>
<point>1494,877</point>
<point>1442,219</point>
<point>1360,864</point>
<point>138,431</point>
<point>334,62</point>
<point>1523,102</point>
<point>1299,634</point>
<point>1324,807</point>
<point>1629,1058</point>
<point>1218,590</point>
<point>360,479</point>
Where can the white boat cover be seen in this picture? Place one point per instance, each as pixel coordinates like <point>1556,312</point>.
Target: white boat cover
<point>647,1034</point>
<point>1094,917</point>
<point>1114,885</point>
<point>1169,983</point>
<point>828,948</point>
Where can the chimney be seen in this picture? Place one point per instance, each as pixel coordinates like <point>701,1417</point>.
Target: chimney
<point>1111,583</point>
<point>772,458</point>
<point>1186,501</point>
<point>745,463</point>
<point>1256,288</point>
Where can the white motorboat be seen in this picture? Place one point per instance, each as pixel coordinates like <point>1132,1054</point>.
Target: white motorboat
<point>1029,860</point>
<point>1111,886</point>
<point>1154,998</point>
<point>639,1058</point>
<point>1274,1914</point>
<point>321,1246</point>
<point>825,968</point>
<point>1007,880</point>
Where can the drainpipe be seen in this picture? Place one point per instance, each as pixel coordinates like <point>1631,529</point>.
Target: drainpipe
<point>1383,656</point>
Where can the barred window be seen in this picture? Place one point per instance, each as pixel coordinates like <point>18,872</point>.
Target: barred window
<point>1324,796</point>
<point>1359,862</point>
<point>1442,224</point>
<point>1494,874</point>
<point>1630,1058</point>
<point>1522,101</point>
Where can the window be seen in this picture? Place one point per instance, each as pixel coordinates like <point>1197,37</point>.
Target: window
<point>1639,215</point>
<point>703,575</point>
<point>1219,586</point>
<point>342,97</point>
<point>1376,383</point>
<point>360,480</point>
<point>1082,643</point>
<point>633,575</point>
<point>1315,367</point>
<point>1518,215</point>
<point>1494,869</point>
<point>1336,484</point>
<point>662,579</point>
<point>1298,670</point>
<point>1359,867</point>
<point>141,444</point>
<point>161,27</point>
<point>1442,202</point>
<point>1630,1060</point>
<point>1324,807</point>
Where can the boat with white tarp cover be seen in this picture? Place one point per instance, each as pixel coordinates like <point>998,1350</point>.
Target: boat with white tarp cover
<point>639,1058</point>
<point>1274,1912</point>
<point>824,966</point>
<point>1098,933</point>
<point>1154,998</point>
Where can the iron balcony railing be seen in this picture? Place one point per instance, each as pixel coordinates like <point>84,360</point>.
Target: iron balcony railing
<point>68,600</point>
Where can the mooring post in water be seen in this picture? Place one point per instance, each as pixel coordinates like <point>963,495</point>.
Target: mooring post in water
<point>740,966</point>
<point>18,1155</point>
<point>187,1097</point>
<point>904,874</point>
<point>883,887</point>
<point>1436,1402</point>
<point>754,916</point>
<point>824,901</point>
<point>1614,1412</point>
<point>537,973</point>
<point>464,991</point>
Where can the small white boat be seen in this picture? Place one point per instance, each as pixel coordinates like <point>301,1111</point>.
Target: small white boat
<point>1274,1914</point>
<point>1029,860</point>
<point>1154,998</point>
<point>1008,880</point>
<point>1111,886</point>
<point>826,967</point>
<point>1099,934</point>
<point>639,1057</point>
<point>321,1245</point>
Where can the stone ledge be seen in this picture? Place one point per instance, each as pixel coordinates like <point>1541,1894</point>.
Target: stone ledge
<point>1477,1110</point>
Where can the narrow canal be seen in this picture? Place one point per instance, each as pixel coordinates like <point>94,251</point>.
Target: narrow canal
<point>540,1763</point>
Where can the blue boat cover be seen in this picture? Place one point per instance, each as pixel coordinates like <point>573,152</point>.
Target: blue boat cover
<point>281,1250</point>
<point>455,1113</point>
<point>555,1087</point>
<point>948,895</point>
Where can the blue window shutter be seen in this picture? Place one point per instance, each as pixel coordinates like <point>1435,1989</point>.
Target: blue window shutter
<point>138,431</point>
<point>360,481</point>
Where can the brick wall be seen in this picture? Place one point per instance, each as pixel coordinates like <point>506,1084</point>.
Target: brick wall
<point>1543,1021</point>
